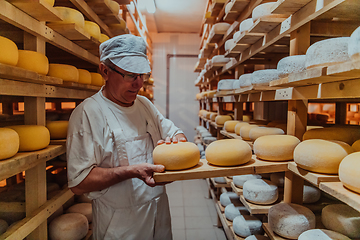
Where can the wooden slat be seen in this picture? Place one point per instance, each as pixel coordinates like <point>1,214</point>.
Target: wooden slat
<point>346,70</point>
<point>266,24</point>
<point>216,37</point>
<point>257,208</point>
<point>69,30</point>
<point>76,85</point>
<point>38,9</point>
<point>249,38</point>
<point>219,185</point>
<point>230,135</point>
<point>271,234</point>
<point>236,189</point>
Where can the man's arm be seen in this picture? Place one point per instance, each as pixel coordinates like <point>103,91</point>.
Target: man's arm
<point>101,178</point>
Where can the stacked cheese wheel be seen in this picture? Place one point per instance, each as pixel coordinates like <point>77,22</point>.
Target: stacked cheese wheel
<point>9,51</point>
<point>9,143</point>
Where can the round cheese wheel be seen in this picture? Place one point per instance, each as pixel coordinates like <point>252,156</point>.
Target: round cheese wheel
<point>257,237</point>
<point>57,129</point>
<point>118,28</point>
<point>219,59</point>
<point>208,140</point>
<point>245,131</point>
<point>232,212</point>
<point>327,52</point>
<point>229,126</point>
<point>97,79</point>
<point>238,127</point>
<point>93,29</point>
<point>356,145</point>
<point>260,191</point>
<point>3,226</point>
<point>239,180</point>
<point>9,143</point>
<point>246,25</point>
<point>353,48</point>
<point>228,152</point>
<point>236,84</point>
<point>322,234</point>
<point>344,134</point>
<point>84,76</point>
<point>82,208</point>
<point>177,156</point>
<point>255,133</point>
<point>245,80</point>
<point>201,112</point>
<point>198,96</point>
<point>341,218</point>
<point>246,225</point>
<point>263,10</point>
<point>226,84</point>
<point>114,7</point>
<point>9,51</point>
<point>289,220</point>
<point>246,118</point>
<point>227,198</point>
<point>103,37</point>
<point>65,72</point>
<point>33,61</point>
<point>32,137</point>
<point>278,178</point>
<point>213,116</point>
<point>207,115</point>
<point>291,64</point>
<point>73,226</point>
<point>275,147</point>
<point>349,171</point>
<point>70,15</point>
<point>220,28</point>
<point>236,35</point>
<point>228,7</point>
<point>311,194</point>
<point>220,180</point>
<point>321,156</point>
<point>50,2</point>
<point>229,44</point>
<point>263,77</point>
<point>221,119</point>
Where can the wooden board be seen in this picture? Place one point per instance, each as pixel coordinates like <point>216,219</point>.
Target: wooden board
<point>230,135</point>
<point>231,16</point>
<point>216,37</point>
<point>337,190</point>
<point>289,6</point>
<point>58,142</point>
<point>259,209</point>
<point>236,189</point>
<point>314,178</point>
<point>271,234</point>
<point>38,9</point>
<point>92,44</point>
<point>76,85</point>
<point>220,185</point>
<point>249,38</point>
<point>346,70</point>
<point>69,30</point>
<point>266,24</point>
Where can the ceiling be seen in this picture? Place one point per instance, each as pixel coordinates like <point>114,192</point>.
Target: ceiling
<point>174,16</point>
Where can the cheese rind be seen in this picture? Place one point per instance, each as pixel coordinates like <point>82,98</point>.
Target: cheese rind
<point>33,61</point>
<point>245,131</point>
<point>227,198</point>
<point>103,38</point>
<point>246,25</point>
<point>245,80</point>
<point>84,76</point>
<point>239,126</point>
<point>263,77</point>
<point>219,59</point>
<point>82,208</point>
<point>257,237</point>
<point>9,143</point>
<point>262,10</point>
<point>291,64</point>
<point>349,172</point>
<point>57,129</point>
<point>322,234</point>
<point>239,180</point>
<point>32,137</point>
<point>114,7</point>
<point>344,134</point>
<point>97,79</point>
<point>260,191</point>
<point>93,29</point>
<point>229,126</point>
<point>311,194</point>
<point>9,51</point>
<point>177,156</point>
<point>65,72</point>
<point>232,212</point>
<point>221,119</point>
<point>246,225</point>
<point>70,15</point>
<point>73,226</point>
<point>220,28</point>
<point>255,133</point>
<point>354,49</point>
<point>356,145</point>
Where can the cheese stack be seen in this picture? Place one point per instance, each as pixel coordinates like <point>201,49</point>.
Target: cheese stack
<point>66,72</point>
<point>32,137</point>
<point>33,61</point>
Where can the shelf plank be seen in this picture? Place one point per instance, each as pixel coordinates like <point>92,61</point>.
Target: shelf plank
<point>216,37</point>
<point>337,190</point>
<point>76,85</point>
<point>249,38</point>
<point>271,234</point>
<point>25,160</point>
<point>236,189</point>
<point>288,6</point>
<point>220,185</point>
<point>266,24</point>
<point>312,177</point>
<point>257,208</point>
<point>346,70</point>
<point>69,30</point>
<point>38,9</point>
<point>230,135</point>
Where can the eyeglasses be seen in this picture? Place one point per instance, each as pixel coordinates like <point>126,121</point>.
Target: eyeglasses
<point>131,77</point>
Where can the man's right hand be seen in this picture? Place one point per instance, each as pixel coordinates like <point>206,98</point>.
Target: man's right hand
<point>145,172</point>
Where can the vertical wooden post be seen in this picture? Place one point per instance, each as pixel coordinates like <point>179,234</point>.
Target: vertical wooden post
<point>300,40</point>
<point>220,105</point>
<point>238,109</point>
<point>340,113</point>
<point>297,118</point>
<point>239,71</point>
<point>293,187</point>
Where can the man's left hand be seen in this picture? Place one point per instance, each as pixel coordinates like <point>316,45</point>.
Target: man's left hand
<point>180,137</point>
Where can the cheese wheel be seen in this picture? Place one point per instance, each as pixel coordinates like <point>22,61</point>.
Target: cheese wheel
<point>207,115</point>
<point>236,36</point>
<point>3,226</point>
<point>245,131</point>
<point>57,129</point>
<point>177,156</point>
<point>220,180</point>
<point>239,180</point>
<point>341,218</point>
<point>221,119</point>
<point>238,127</point>
<point>353,47</point>
<point>246,225</point>
<point>201,112</point>
<point>327,52</point>
<point>229,44</point>
<point>246,25</point>
<point>66,72</point>
<point>9,143</point>
<point>321,156</point>
<point>50,2</point>
<point>356,145</point>
<point>257,237</point>
<point>103,38</point>
<point>198,96</point>
<point>344,134</point>
<point>32,137</point>
<point>291,64</point>
<point>213,116</point>
<point>245,80</point>
<point>9,51</point>
<point>70,15</point>
<point>229,126</point>
<point>73,226</point>
<point>226,84</point>
<point>275,147</point>
<point>220,28</point>
<point>322,234</point>
<point>114,7</point>
<point>93,29</point>
<point>349,171</point>
<point>263,10</point>
<point>263,77</point>
<point>220,59</point>
<point>246,118</point>
<point>255,133</point>
<point>118,28</point>
<point>289,220</point>
<point>278,178</point>
<point>82,208</point>
<point>84,76</point>
<point>33,61</point>
<point>228,152</point>
<point>236,84</point>
<point>228,7</point>
<point>260,191</point>
<point>58,212</point>
<point>97,79</point>
<point>232,212</point>
<point>311,194</point>
<point>227,198</point>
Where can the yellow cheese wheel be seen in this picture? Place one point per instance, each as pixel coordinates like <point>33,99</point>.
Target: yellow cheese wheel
<point>97,79</point>
<point>356,145</point>
<point>239,126</point>
<point>82,208</point>
<point>57,129</point>
<point>263,131</point>
<point>32,137</point>
<point>321,156</point>
<point>213,116</point>
<point>221,119</point>
<point>228,152</point>
<point>33,61</point>
<point>349,171</point>
<point>201,112</point>
<point>9,143</point>
<point>177,156</point>
<point>275,147</point>
<point>9,51</point>
<point>246,118</point>
<point>70,15</point>
<point>229,126</point>
<point>73,226</point>
<point>344,134</point>
<point>84,76</point>
<point>50,2</point>
<point>93,29</point>
<point>103,38</point>
<point>66,72</point>
<point>207,115</point>
<point>245,131</point>
<point>114,7</point>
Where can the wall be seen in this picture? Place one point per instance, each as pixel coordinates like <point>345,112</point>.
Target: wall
<point>183,108</point>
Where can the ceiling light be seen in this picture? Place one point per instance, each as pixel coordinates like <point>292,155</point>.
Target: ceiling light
<point>150,6</point>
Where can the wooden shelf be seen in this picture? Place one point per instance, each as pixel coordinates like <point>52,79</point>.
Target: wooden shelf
<point>38,9</point>
<point>266,24</point>
<point>259,209</point>
<point>271,234</point>
<point>236,189</point>
<point>220,185</point>
<point>69,30</point>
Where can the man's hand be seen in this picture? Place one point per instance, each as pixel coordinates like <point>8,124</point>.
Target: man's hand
<point>177,138</point>
<point>145,172</point>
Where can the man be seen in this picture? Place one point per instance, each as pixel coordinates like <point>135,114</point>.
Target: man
<point>110,141</point>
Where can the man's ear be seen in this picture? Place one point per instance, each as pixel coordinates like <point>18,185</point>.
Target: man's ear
<point>104,71</point>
